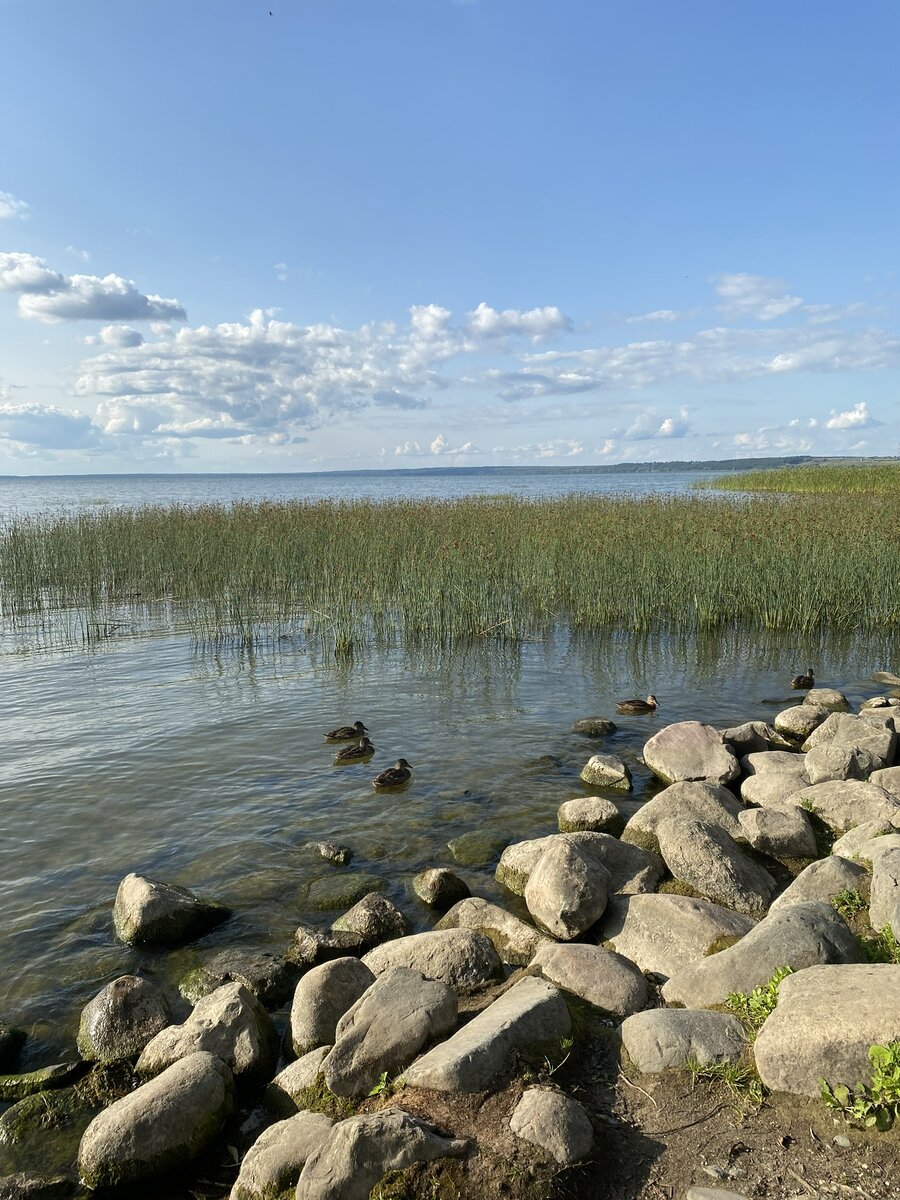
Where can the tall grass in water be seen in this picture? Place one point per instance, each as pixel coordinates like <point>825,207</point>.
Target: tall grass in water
<point>431,573</point>
<point>841,479</point>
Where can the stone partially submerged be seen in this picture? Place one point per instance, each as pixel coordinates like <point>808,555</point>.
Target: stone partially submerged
<point>121,1019</point>
<point>607,771</point>
<point>631,869</point>
<point>567,889</point>
<point>689,750</point>
<point>147,911</point>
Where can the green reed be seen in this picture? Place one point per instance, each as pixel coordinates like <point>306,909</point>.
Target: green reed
<point>841,479</point>
<point>433,573</point>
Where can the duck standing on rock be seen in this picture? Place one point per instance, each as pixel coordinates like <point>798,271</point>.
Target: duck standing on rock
<point>357,753</point>
<point>400,772</point>
<point>637,706</point>
<point>803,681</point>
<point>347,733</point>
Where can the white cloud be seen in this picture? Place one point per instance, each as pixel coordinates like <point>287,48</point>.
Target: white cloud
<point>48,296</point>
<point>675,427</point>
<point>756,296</point>
<point>79,253</point>
<point>281,272</point>
<point>659,314</point>
<point>857,417</point>
<point>119,336</point>
<point>648,425</point>
<point>536,323</point>
<point>407,448</point>
<point>10,207</point>
<point>560,448</point>
<point>46,426</point>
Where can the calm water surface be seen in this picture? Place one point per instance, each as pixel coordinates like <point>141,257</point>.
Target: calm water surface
<point>210,770</point>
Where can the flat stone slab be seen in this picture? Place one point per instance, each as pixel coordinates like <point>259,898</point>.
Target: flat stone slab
<point>462,958</point>
<point>706,858</point>
<point>841,804</point>
<point>273,1163</point>
<point>798,936</point>
<point>826,1019</point>
<point>533,1010</point>
<point>664,933</point>
<point>667,1039</point>
<point>631,869</point>
<point>553,1122</point>
<point>515,941</point>
<point>601,977</point>
<point>689,750</point>
<point>822,880</point>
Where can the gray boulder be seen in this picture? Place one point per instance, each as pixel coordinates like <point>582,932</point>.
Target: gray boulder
<point>826,1019</point>
<point>594,727</point>
<point>322,997</point>
<point>829,698</point>
<point>707,859</point>
<point>606,771</point>
<point>773,789</point>
<point>514,940</point>
<point>270,978</point>
<point>753,736</point>
<point>667,1039</point>
<point>601,977</point>
<point>160,913</point>
<point>463,959</point>
<point>121,1019</point>
<point>800,720</point>
<point>375,918</point>
<point>822,881</point>
<point>889,779</point>
<point>663,933</point>
<point>590,813</point>
<point>160,1127</point>
<point>780,832</point>
<point>567,889</point>
<point>884,903</point>
<point>850,843</point>
<point>827,762</point>
<point>386,1028</point>
<point>285,1095</point>
<point>360,1151</point>
<point>631,869</point>
<point>312,946</point>
<point>532,1010</point>
<point>774,762</point>
<point>844,729</point>
<point>554,1123</point>
<point>272,1165</point>
<point>688,751</point>
<point>440,888</point>
<point>798,936</point>
<point>841,804</point>
<point>871,850</point>
<point>701,801</point>
<point>230,1023</point>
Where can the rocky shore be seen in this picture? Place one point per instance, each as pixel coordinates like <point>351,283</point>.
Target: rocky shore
<point>651,1013</point>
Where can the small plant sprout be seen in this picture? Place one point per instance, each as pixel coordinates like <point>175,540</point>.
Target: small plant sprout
<point>877,1105</point>
<point>754,1009</point>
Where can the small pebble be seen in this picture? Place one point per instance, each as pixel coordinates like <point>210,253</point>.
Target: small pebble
<point>842,1140</point>
<point>715,1172</point>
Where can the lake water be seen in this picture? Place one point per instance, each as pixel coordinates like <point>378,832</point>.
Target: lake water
<point>209,769</point>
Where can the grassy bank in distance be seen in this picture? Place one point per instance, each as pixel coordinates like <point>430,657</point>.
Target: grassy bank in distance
<point>431,573</point>
<point>839,479</point>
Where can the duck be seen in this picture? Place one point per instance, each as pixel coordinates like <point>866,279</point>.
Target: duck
<point>363,749</point>
<point>637,706</point>
<point>400,772</point>
<point>804,681</point>
<point>347,733</point>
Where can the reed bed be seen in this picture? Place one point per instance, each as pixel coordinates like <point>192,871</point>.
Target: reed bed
<point>431,573</point>
<point>878,479</point>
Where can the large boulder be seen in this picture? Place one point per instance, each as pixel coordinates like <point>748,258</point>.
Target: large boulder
<point>852,842</point>
<point>147,911</point>
<point>708,860</point>
<point>375,918</point>
<point>567,889</point>
<point>272,1165</point>
<point>829,761</point>
<point>121,1019</point>
<point>780,832</point>
<point>688,751</point>
<point>798,936</point>
<point>884,902</point>
<point>322,997</point>
<point>386,1028</point>
<point>667,1039</point>
<point>800,720</point>
<point>601,977</point>
<point>889,779</point>
<point>160,1127</point>
<point>553,1122</point>
<point>631,869</point>
<point>590,814</point>
<point>606,771</point>
<point>663,933</point>
<point>873,733</point>
<point>829,698</point>
<point>841,804</point>
<point>462,958</point>
<point>270,978</point>
<point>753,736</point>
<point>826,1019</point>
<point>514,940</point>
<point>822,881</point>
<point>533,1010</point>
<point>230,1023</point>
<point>440,888</point>
<point>774,788</point>
<point>701,801</point>
<point>359,1151</point>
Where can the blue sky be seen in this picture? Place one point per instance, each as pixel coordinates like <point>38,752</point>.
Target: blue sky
<point>362,233</point>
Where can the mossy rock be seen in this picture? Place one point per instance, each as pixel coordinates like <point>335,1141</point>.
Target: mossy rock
<point>677,887</point>
<point>641,839</point>
<point>721,943</point>
<point>17,1087</point>
<point>334,892</point>
<point>317,1098</point>
<point>478,848</point>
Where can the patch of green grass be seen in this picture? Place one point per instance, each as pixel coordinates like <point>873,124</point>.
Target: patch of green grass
<point>858,479</point>
<point>848,903</point>
<point>881,946</point>
<point>753,1009</point>
<point>740,1078</point>
<point>877,1105</point>
<point>318,1098</point>
<point>677,887</point>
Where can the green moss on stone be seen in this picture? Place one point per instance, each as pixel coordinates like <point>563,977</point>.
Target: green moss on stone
<point>677,887</point>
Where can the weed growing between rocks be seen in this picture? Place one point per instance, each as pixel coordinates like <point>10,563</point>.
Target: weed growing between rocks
<point>740,1078</point>
<point>848,903</point>
<point>877,1105</point>
<point>881,946</point>
<point>754,1009</point>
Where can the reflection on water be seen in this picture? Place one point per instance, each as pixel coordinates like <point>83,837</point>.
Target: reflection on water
<point>208,769</point>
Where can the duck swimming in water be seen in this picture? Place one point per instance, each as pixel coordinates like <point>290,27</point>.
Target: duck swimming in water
<point>347,733</point>
<point>399,773</point>
<point>357,753</point>
<point>803,681</point>
<point>637,706</point>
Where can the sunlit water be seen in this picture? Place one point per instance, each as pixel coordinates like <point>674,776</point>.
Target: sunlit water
<point>147,754</point>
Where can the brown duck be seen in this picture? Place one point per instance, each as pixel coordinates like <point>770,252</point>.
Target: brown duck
<point>637,706</point>
<point>400,772</point>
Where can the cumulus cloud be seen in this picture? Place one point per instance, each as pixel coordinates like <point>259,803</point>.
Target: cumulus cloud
<point>755,296</point>
<point>49,296</point>
<point>440,445</point>
<point>119,336</point>
<point>46,426</point>
<point>536,323</point>
<point>857,417</point>
<point>648,425</point>
<point>11,207</point>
